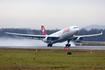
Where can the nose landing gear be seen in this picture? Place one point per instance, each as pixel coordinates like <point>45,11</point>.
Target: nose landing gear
<point>68,45</point>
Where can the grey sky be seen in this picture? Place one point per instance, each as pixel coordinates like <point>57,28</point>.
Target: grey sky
<point>52,13</point>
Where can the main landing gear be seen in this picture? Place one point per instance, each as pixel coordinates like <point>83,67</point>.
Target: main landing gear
<point>49,45</point>
<point>68,45</point>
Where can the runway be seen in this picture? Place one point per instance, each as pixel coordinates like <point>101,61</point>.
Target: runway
<point>54,47</point>
<point>37,44</point>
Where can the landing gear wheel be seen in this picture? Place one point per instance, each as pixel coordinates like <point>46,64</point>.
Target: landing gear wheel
<point>49,45</point>
<point>68,45</point>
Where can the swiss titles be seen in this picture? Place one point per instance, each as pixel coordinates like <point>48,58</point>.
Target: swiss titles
<point>66,30</point>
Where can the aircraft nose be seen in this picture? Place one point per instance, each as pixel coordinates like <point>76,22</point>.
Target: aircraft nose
<point>78,30</point>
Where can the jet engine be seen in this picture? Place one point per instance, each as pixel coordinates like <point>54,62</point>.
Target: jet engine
<point>47,39</point>
<point>50,39</point>
<point>78,39</point>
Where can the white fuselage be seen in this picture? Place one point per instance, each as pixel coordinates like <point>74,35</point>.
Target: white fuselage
<point>64,34</point>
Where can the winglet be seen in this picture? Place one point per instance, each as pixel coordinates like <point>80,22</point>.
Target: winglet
<point>101,32</point>
<point>43,30</point>
<point>3,31</point>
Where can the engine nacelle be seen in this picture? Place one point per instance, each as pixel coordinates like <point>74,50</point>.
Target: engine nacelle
<point>78,39</point>
<point>47,39</point>
<point>50,39</point>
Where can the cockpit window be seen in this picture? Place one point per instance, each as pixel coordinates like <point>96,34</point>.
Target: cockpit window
<point>75,27</point>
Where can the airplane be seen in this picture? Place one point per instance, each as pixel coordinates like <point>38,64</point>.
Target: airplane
<point>68,34</point>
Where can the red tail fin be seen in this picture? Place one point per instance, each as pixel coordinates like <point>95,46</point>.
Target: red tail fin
<point>43,30</point>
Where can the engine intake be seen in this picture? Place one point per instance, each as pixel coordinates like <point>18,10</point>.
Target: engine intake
<point>78,39</point>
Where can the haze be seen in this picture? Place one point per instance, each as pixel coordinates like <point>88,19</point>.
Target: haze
<point>52,13</point>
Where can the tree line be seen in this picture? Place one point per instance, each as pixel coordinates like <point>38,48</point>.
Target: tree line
<point>39,32</point>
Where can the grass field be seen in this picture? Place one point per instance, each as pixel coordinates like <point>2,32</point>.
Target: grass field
<point>51,59</point>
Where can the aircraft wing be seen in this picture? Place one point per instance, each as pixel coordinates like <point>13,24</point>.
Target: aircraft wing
<point>79,38</point>
<point>26,35</point>
<point>85,36</point>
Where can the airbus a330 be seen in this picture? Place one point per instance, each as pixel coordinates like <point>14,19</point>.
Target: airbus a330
<point>68,34</point>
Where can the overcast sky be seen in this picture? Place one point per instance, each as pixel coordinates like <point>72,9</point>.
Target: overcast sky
<point>52,13</point>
